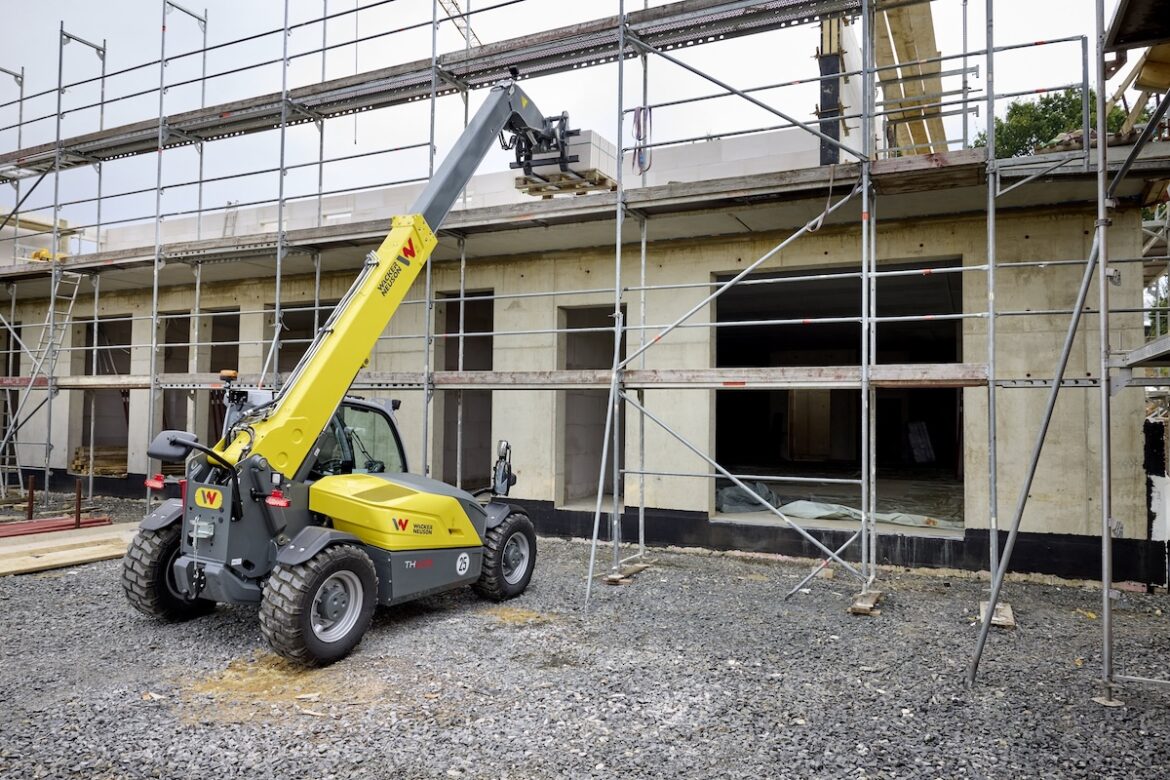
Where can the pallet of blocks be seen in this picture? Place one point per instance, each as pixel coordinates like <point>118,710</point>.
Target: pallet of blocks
<point>593,170</point>
<point>108,461</point>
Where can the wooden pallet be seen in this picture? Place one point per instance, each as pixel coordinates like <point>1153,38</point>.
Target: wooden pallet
<point>556,182</point>
<point>24,555</point>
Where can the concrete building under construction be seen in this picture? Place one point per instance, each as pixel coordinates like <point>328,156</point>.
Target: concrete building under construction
<point>849,378</point>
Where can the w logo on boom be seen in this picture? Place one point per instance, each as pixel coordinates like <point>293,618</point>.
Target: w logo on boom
<point>407,251</point>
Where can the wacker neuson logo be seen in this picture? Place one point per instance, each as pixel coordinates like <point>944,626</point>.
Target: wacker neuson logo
<point>395,270</point>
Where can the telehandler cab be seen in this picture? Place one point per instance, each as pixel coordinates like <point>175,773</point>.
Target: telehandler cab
<point>305,505</point>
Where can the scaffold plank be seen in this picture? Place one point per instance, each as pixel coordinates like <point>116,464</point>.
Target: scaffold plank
<point>886,375</point>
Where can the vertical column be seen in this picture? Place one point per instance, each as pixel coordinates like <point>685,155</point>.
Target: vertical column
<point>645,60</point>
<point>1103,272</point>
<point>12,368</point>
<point>992,188</point>
<point>428,303</point>
<point>866,320</point>
<point>616,400</point>
<point>93,371</point>
<point>199,144</point>
<point>459,363</point>
<point>19,78</point>
<point>321,131</point>
<point>462,274</point>
<point>273,359</point>
<point>98,165</point>
<point>610,436</point>
<point>966,87</point>
<point>48,336</point>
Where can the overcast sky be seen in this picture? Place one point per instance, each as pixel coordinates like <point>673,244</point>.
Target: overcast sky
<point>131,31</point>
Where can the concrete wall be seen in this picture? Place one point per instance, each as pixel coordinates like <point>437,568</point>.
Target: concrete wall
<point>1064,498</point>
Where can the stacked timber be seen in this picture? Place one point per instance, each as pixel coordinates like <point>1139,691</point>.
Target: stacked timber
<point>107,461</point>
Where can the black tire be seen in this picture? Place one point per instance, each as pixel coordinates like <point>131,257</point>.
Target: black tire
<point>287,610</point>
<point>148,578</point>
<point>500,578</point>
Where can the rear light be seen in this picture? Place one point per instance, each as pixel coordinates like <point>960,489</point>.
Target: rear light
<point>156,482</point>
<point>277,499</point>
<point>183,490</point>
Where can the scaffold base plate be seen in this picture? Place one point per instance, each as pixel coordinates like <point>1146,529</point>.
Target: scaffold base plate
<point>624,576</point>
<point>1003,616</point>
<point>866,603</point>
<point>1108,701</point>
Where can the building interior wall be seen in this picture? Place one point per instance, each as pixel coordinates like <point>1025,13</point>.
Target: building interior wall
<point>582,430</point>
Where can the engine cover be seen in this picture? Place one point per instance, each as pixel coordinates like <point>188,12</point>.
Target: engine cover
<point>397,512</point>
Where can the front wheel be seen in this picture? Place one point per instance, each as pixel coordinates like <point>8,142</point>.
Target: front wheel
<point>148,577</point>
<point>316,612</point>
<point>509,557</point>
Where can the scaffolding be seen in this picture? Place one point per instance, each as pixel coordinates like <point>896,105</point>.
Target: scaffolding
<point>895,133</point>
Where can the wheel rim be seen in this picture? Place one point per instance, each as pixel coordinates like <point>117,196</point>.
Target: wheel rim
<point>515,558</point>
<point>336,606</point>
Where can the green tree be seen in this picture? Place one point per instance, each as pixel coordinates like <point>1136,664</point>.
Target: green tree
<point>1032,124</point>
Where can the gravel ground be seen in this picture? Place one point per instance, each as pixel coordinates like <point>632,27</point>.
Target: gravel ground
<point>698,669</point>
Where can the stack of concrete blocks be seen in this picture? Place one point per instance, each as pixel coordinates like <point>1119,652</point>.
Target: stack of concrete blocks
<point>596,158</point>
<point>781,150</point>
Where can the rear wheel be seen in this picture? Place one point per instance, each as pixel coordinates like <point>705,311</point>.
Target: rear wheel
<point>148,577</point>
<point>509,557</point>
<point>317,611</point>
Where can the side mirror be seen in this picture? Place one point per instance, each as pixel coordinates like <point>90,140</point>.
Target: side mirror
<point>172,446</point>
<point>503,476</point>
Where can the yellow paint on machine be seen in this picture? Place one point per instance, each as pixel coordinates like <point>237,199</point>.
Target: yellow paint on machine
<point>289,432</point>
<point>391,516</point>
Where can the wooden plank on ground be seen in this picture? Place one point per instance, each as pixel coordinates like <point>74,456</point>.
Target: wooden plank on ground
<point>23,555</point>
<point>58,559</point>
<point>1003,617</point>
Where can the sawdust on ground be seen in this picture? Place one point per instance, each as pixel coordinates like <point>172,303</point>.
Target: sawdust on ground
<point>517,615</point>
<point>264,685</point>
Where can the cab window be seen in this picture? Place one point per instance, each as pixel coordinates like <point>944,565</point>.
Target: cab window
<point>359,440</point>
<point>373,443</point>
